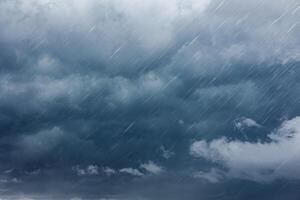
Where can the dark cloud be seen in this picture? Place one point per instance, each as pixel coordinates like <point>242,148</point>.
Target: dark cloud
<point>116,93</point>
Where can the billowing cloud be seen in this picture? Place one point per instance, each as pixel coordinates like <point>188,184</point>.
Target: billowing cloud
<point>277,158</point>
<point>152,167</point>
<point>245,123</point>
<point>115,91</point>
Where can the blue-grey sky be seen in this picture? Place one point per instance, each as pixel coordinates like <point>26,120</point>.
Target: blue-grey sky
<point>149,99</point>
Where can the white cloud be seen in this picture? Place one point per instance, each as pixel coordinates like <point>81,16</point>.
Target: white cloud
<point>261,161</point>
<point>10,180</point>
<point>92,170</point>
<point>131,171</point>
<point>89,170</point>
<point>109,171</point>
<point>243,123</point>
<point>152,168</point>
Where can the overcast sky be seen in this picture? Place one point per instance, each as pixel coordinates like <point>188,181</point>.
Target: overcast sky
<point>149,99</point>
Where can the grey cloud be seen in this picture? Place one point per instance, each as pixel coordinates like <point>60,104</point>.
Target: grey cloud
<point>109,83</point>
<point>152,167</point>
<point>212,176</point>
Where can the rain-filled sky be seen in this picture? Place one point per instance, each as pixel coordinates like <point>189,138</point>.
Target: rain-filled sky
<point>149,99</point>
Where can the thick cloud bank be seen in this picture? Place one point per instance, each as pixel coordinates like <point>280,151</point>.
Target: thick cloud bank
<point>106,97</point>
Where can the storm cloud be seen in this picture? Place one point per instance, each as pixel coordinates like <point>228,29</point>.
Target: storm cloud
<point>119,99</point>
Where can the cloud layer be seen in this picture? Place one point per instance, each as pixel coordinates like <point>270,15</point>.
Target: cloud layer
<point>117,91</point>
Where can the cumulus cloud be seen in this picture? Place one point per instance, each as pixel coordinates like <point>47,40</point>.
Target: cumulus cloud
<point>109,171</point>
<point>89,170</point>
<point>261,161</point>
<point>152,168</point>
<point>131,171</point>
<point>243,123</point>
